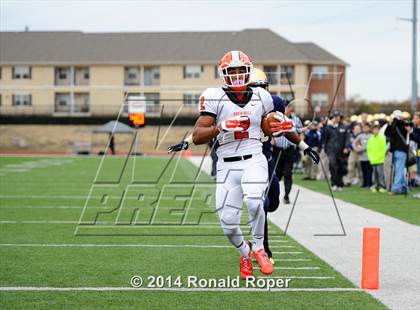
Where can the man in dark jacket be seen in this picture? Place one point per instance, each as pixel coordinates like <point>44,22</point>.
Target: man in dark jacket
<point>313,139</point>
<point>399,140</point>
<point>335,140</point>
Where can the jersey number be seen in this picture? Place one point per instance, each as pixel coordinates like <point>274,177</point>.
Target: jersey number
<point>241,135</point>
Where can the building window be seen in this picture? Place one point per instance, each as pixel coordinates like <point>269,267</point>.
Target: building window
<point>22,72</point>
<point>191,99</point>
<point>22,99</point>
<point>272,74</point>
<point>216,72</point>
<point>132,76</point>
<point>62,76</point>
<point>287,72</point>
<point>152,98</point>
<point>81,76</point>
<point>151,76</point>
<point>62,102</point>
<point>81,103</point>
<point>320,99</point>
<point>320,72</point>
<point>192,72</point>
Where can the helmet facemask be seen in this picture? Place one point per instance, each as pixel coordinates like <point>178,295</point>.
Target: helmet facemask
<point>236,77</point>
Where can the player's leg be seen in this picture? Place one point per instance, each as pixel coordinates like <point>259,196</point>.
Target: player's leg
<point>274,201</point>
<point>289,155</point>
<point>229,206</point>
<point>254,184</point>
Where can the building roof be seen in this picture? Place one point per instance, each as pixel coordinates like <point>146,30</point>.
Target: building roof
<point>72,47</point>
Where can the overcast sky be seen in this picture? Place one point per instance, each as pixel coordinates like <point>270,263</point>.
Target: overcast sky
<point>366,34</point>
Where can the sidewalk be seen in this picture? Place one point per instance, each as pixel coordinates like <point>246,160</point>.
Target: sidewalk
<point>314,213</point>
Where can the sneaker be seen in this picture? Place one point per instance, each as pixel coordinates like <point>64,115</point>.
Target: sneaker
<point>373,189</point>
<point>382,190</point>
<point>266,267</point>
<point>245,266</point>
<point>286,200</point>
<point>273,262</point>
<point>339,189</point>
<point>334,188</point>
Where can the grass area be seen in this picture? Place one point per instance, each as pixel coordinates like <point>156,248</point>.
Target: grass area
<point>404,208</point>
<point>148,217</point>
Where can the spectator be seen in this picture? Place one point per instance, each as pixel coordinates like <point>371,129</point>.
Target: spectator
<point>335,141</point>
<point>353,163</point>
<point>284,155</point>
<point>398,135</point>
<point>415,136</point>
<point>313,139</point>
<point>360,145</point>
<point>376,152</point>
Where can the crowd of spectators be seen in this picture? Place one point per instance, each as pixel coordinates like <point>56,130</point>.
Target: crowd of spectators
<point>377,152</point>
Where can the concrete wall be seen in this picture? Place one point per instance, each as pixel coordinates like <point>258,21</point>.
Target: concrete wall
<point>66,138</point>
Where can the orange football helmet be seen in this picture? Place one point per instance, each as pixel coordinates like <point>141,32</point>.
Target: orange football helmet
<point>237,79</point>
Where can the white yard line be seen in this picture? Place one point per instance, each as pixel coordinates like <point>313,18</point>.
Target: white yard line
<point>233,289</point>
<point>94,245</point>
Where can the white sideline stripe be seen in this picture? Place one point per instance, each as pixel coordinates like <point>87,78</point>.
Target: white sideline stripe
<point>92,207</point>
<point>277,241</point>
<point>92,245</point>
<point>285,252</point>
<point>236,289</point>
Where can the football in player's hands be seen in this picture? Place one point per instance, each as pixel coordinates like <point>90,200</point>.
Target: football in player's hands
<point>276,123</point>
<point>238,123</point>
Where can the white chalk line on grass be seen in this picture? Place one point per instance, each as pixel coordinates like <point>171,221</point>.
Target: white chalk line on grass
<point>97,245</point>
<point>174,289</point>
<point>85,197</point>
<point>94,245</point>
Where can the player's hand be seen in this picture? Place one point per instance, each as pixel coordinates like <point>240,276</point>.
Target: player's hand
<point>282,125</point>
<point>314,155</point>
<point>178,147</point>
<point>240,123</point>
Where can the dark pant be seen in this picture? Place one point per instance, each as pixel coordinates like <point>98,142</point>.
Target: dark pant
<point>378,171</point>
<point>271,202</point>
<point>337,165</point>
<point>367,173</point>
<point>284,167</point>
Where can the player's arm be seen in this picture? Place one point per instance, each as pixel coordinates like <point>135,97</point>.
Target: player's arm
<point>205,130</point>
<point>307,150</point>
<point>184,145</point>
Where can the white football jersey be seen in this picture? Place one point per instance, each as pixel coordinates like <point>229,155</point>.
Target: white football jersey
<point>221,105</point>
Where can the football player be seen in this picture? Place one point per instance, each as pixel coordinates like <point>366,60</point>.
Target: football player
<point>233,116</point>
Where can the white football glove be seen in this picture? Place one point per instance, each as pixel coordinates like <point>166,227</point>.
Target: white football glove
<point>239,123</point>
<point>283,125</point>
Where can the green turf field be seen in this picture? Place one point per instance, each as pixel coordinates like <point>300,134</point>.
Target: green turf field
<point>404,208</point>
<point>147,217</point>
